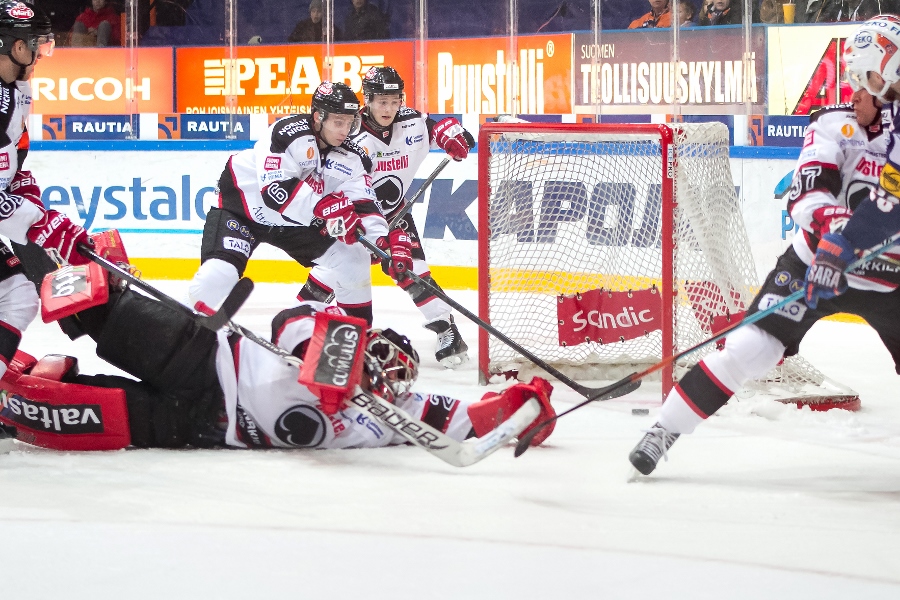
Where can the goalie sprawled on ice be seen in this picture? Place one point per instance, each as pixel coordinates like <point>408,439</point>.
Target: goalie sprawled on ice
<point>205,388</point>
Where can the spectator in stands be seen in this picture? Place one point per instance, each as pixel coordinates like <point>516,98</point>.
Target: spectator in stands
<point>685,13</point>
<point>366,22</point>
<point>721,12</point>
<point>659,16</point>
<point>310,30</point>
<point>98,26</point>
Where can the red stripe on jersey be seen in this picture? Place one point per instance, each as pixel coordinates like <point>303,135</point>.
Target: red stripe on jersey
<point>6,325</point>
<point>687,400</point>
<point>320,284</point>
<point>362,305</point>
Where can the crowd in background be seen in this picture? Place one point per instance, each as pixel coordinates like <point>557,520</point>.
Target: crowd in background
<point>98,22</point>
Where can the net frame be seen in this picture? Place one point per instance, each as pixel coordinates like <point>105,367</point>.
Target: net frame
<point>675,177</point>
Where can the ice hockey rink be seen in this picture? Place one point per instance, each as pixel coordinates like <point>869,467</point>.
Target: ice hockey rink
<point>764,501</point>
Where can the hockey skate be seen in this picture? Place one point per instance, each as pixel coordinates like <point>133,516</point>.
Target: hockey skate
<point>7,438</point>
<point>451,350</point>
<point>653,446</point>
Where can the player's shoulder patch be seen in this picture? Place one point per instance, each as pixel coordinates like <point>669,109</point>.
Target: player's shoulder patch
<point>352,147</point>
<point>285,131</point>
<point>833,111</point>
<point>407,114</point>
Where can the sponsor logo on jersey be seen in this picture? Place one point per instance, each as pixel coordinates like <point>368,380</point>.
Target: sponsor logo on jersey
<point>248,431</point>
<point>339,167</point>
<point>869,168</point>
<point>20,11</point>
<point>294,128</point>
<point>71,419</point>
<point>890,180</point>
<point>310,153</point>
<point>792,310</point>
<point>782,278</point>
<point>4,160</point>
<point>232,225</point>
<point>317,184</point>
<point>5,99</point>
<point>13,262</point>
<point>414,139</point>
<point>237,245</point>
<point>301,427</point>
<point>273,162</point>
<point>848,131</point>
<point>407,125</point>
<point>796,285</point>
<point>393,164</point>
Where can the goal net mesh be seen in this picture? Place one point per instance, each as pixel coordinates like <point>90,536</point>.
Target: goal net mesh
<point>621,213</point>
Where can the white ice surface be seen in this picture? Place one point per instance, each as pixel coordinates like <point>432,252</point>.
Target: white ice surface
<point>762,502</point>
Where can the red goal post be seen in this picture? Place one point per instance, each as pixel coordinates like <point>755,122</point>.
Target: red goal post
<point>605,247</point>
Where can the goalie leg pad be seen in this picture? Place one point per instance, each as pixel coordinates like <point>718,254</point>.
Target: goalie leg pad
<point>494,408</point>
<point>64,416</point>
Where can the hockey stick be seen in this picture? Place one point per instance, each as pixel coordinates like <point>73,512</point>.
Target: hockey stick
<point>419,433</point>
<point>868,255</point>
<point>409,204</point>
<point>236,297</point>
<point>591,394</point>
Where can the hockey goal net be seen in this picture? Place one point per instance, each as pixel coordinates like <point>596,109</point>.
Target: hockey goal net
<point>603,248</point>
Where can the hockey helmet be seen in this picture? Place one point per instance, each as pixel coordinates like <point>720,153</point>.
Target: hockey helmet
<point>26,22</point>
<point>381,80</point>
<point>392,364</point>
<point>874,47</point>
<point>336,98</point>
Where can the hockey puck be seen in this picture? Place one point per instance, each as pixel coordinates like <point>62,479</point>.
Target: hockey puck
<point>640,411</point>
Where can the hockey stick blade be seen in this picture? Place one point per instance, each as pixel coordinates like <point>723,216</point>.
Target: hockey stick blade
<point>867,255</point>
<point>436,443</point>
<point>559,375</point>
<point>233,302</point>
<point>425,185</point>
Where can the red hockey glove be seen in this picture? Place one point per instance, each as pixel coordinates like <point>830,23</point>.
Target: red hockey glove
<point>23,184</point>
<point>825,277</point>
<point>450,136</point>
<point>341,220</point>
<point>829,219</point>
<point>494,408</point>
<point>55,231</point>
<point>399,246</point>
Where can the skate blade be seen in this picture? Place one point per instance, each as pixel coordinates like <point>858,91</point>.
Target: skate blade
<point>635,475</point>
<point>451,362</point>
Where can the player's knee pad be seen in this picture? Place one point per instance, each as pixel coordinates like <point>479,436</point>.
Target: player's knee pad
<point>212,282</point>
<point>749,353</point>
<point>316,291</point>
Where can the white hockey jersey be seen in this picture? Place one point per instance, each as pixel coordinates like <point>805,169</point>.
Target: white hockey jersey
<point>839,165</point>
<point>280,180</point>
<point>268,408</point>
<point>396,153</point>
<point>16,214</point>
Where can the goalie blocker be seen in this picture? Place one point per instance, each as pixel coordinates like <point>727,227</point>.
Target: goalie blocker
<point>205,389</point>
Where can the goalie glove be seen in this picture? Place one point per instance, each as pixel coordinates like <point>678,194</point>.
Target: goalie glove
<point>825,277</point>
<point>450,136</point>
<point>495,408</point>
<point>398,245</point>
<point>340,216</point>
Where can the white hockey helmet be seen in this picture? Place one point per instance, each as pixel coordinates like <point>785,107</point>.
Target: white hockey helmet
<point>874,47</point>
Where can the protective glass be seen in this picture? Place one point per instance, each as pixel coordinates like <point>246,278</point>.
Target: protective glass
<point>43,44</point>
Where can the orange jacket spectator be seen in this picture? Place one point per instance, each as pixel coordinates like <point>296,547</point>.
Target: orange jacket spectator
<point>93,23</point>
<point>659,16</point>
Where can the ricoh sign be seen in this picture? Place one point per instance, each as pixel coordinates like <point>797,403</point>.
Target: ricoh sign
<point>276,79</point>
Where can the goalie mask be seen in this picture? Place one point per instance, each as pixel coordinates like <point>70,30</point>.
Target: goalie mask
<point>392,364</point>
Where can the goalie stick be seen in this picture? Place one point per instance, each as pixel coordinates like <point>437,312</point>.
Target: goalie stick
<point>236,297</point>
<point>409,204</point>
<point>591,394</point>
<point>433,441</point>
<point>867,255</point>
